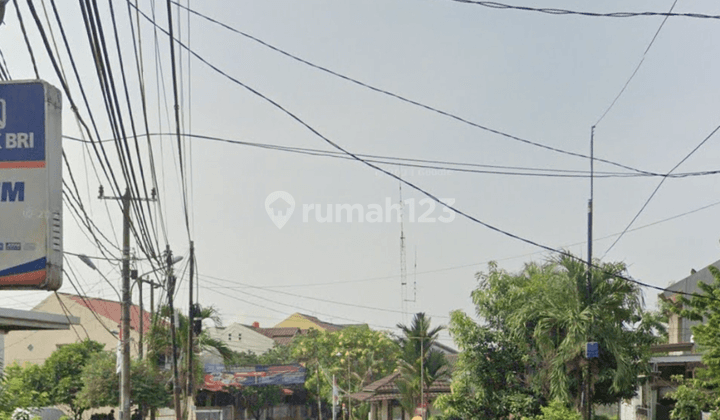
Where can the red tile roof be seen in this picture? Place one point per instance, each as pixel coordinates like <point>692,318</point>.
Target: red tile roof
<point>112,311</point>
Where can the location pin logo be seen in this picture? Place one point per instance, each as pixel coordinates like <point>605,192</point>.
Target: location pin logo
<point>280,206</point>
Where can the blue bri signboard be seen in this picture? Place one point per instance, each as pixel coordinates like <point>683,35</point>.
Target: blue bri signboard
<point>30,186</point>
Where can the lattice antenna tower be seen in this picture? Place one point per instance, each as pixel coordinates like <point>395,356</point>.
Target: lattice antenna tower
<point>403,265</point>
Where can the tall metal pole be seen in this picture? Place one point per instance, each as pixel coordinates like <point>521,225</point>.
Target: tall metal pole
<point>173,337</point>
<point>588,380</point>
<point>125,316</point>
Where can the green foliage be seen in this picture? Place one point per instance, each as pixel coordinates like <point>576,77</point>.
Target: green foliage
<point>55,382</point>
<point>419,362</point>
<point>278,355</point>
<point>256,399</point>
<point>702,392</point>
<point>490,378</point>
<point>64,369</point>
<point>101,383</point>
<point>23,388</point>
<point>691,399</point>
<point>356,355</point>
<point>557,410</point>
<point>536,325</point>
<point>159,343</point>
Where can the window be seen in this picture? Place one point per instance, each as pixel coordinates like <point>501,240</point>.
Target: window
<point>229,337</point>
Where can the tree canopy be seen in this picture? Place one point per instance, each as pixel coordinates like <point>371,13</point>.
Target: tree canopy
<point>535,326</point>
<point>356,355</point>
<point>420,364</point>
<point>57,381</point>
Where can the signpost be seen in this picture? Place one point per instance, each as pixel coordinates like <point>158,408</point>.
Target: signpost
<point>30,186</point>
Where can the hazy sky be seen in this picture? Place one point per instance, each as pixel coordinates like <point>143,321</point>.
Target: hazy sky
<point>540,77</point>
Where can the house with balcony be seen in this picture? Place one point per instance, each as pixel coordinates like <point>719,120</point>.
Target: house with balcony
<point>679,356</point>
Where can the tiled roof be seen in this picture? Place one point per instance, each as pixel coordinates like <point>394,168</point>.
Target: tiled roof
<point>326,325</point>
<point>282,336</point>
<point>385,389</point>
<point>112,311</point>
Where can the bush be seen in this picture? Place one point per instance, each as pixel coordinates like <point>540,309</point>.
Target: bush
<point>557,410</point>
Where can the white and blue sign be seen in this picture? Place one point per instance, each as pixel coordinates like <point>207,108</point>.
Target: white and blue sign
<point>22,123</point>
<point>30,186</point>
<point>592,350</point>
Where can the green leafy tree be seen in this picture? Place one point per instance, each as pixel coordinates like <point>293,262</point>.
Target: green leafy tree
<point>490,380</point>
<point>691,399</point>
<point>544,311</point>
<point>101,383</point>
<point>63,371</point>
<point>557,410</point>
<point>356,355</point>
<point>159,342</point>
<point>257,399</point>
<point>419,361</point>
<point>23,387</point>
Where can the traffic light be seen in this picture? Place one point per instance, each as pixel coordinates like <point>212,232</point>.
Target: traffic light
<point>197,327</point>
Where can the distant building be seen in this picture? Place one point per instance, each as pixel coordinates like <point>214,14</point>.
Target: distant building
<point>306,322</point>
<point>679,356</point>
<point>99,321</point>
<point>239,338</point>
<point>295,325</point>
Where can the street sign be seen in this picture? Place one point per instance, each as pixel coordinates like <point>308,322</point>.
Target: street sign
<point>592,350</point>
<point>30,186</point>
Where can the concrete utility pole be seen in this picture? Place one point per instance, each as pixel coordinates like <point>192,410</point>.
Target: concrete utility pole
<point>126,301</point>
<point>125,306</point>
<point>191,313</point>
<point>173,336</point>
<point>125,317</point>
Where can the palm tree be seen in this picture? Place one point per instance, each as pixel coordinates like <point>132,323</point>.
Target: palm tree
<point>160,343</point>
<point>561,317</point>
<point>420,365</point>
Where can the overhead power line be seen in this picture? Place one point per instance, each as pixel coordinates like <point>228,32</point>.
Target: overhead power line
<point>433,197</point>
<point>662,181</point>
<point>642,60</point>
<point>241,286</point>
<point>553,11</point>
<point>419,163</point>
<point>385,92</point>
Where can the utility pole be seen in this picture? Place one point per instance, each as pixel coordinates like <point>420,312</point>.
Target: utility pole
<point>126,199</point>
<point>191,313</point>
<point>422,376</point>
<point>141,320</point>
<point>588,376</point>
<point>318,390</point>
<point>125,317</point>
<point>173,336</point>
